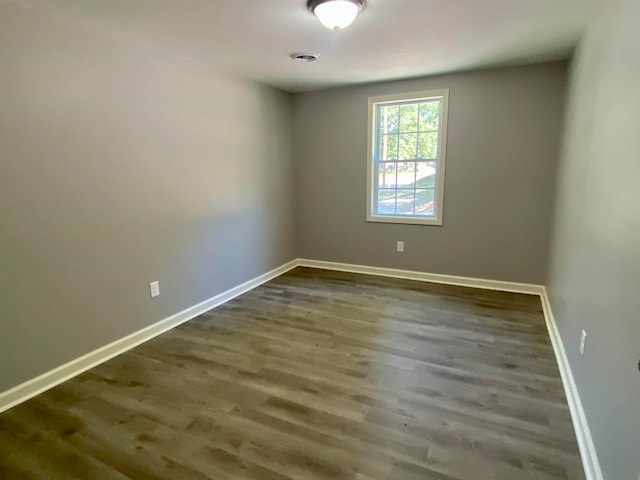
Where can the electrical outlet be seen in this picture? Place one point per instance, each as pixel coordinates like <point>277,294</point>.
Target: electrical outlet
<point>154,287</point>
<point>583,342</point>
<point>400,247</point>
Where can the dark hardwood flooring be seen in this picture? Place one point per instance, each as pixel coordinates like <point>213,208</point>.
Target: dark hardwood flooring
<point>315,375</point>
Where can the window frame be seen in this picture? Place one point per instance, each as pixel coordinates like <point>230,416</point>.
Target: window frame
<point>372,175</point>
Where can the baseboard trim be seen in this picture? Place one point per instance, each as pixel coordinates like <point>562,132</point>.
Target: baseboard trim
<point>588,452</point>
<point>50,379</point>
<point>426,277</point>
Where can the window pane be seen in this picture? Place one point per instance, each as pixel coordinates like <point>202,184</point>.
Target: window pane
<point>408,146</point>
<point>425,174</point>
<point>405,201</point>
<point>387,175</point>
<point>409,118</point>
<point>388,147</point>
<point>406,174</point>
<point>407,166</point>
<point>388,120</point>
<point>429,116</point>
<point>425,202</point>
<point>428,145</point>
<point>386,201</point>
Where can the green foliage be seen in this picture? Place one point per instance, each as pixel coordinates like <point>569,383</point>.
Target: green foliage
<point>388,118</point>
<point>429,116</point>
<point>405,202</point>
<point>425,175</point>
<point>408,146</point>
<point>428,145</point>
<point>408,132</point>
<point>388,147</point>
<point>409,118</point>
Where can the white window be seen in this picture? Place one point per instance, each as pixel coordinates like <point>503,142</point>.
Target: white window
<point>407,143</point>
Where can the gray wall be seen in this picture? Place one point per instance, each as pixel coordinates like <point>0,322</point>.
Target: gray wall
<point>503,145</point>
<point>595,268</point>
<point>121,164</point>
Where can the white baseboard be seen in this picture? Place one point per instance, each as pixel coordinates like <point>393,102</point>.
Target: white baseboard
<point>50,379</point>
<point>588,452</point>
<point>426,277</point>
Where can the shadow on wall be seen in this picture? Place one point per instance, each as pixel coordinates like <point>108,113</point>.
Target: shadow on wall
<point>122,165</point>
<point>595,266</point>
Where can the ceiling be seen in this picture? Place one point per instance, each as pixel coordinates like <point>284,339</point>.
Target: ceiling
<point>391,39</point>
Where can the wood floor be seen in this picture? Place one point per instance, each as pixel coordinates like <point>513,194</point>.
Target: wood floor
<point>315,375</point>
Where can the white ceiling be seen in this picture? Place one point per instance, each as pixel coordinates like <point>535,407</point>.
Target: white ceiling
<point>391,39</point>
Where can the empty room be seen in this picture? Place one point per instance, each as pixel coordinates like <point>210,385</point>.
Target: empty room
<point>319,239</point>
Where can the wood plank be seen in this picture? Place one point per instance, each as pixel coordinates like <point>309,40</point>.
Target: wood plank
<point>316,375</point>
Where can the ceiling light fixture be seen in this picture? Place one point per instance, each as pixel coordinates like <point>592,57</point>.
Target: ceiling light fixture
<point>305,57</point>
<point>336,14</point>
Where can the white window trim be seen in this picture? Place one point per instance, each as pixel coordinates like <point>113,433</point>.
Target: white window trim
<point>371,184</point>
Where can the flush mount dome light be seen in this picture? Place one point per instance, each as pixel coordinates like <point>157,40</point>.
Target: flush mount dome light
<point>336,14</point>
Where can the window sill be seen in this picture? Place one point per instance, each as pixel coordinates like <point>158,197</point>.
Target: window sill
<point>404,220</point>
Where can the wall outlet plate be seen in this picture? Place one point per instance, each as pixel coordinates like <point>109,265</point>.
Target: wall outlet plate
<point>154,288</point>
<point>583,342</point>
<point>400,247</point>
